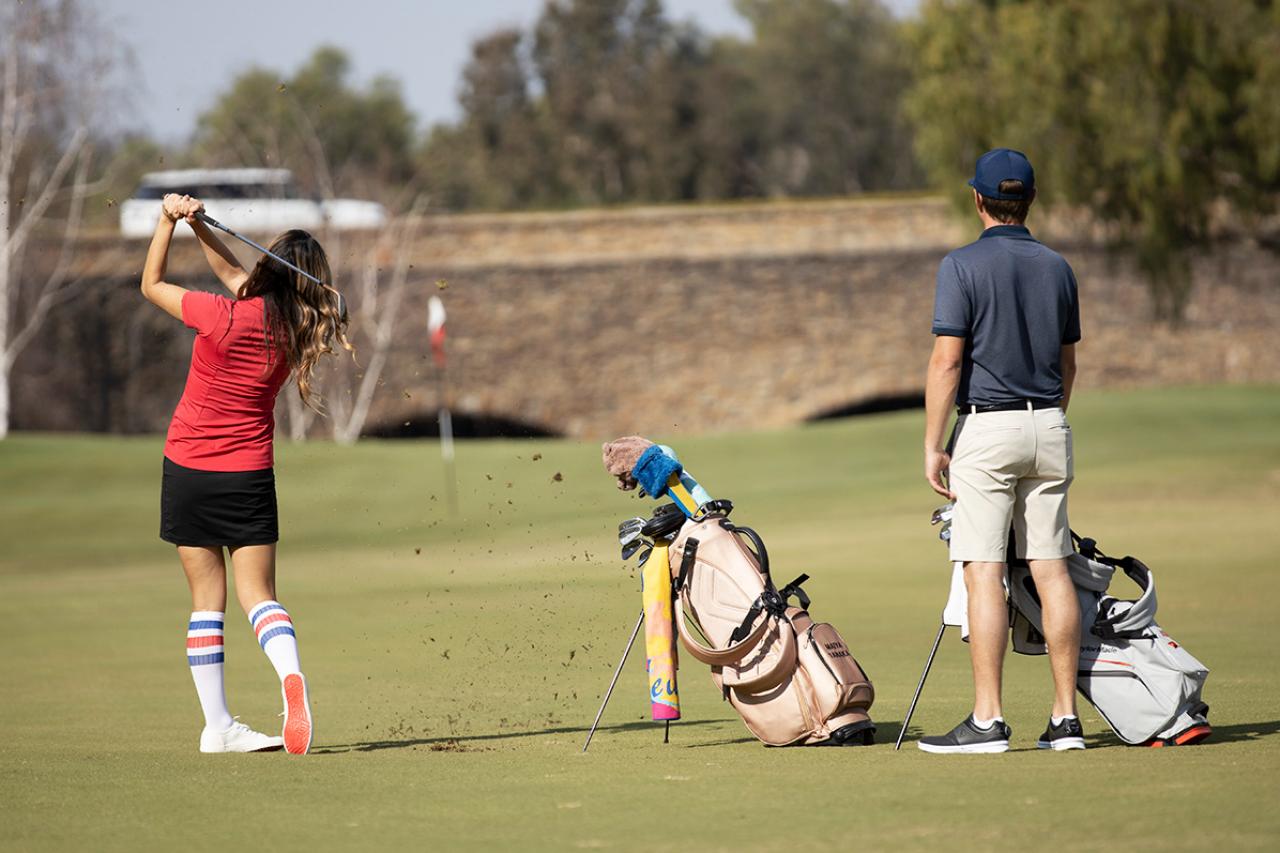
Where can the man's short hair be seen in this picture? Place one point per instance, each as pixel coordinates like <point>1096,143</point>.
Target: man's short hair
<point>1008,211</point>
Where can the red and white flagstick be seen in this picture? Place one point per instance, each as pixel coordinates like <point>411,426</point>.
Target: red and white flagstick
<point>435,328</point>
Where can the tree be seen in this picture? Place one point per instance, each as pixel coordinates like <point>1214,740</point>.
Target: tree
<point>1150,114</point>
<point>55,64</point>
<point>609,101</point>
<point>616,78</point>
<point>601,104</point>
<point>264,120</point>
<point>496,157</point>
<point>828,77</point>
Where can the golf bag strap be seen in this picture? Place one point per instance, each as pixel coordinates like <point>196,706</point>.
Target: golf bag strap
<point>744,630</point>
<point>1143,611</point>
<point>733,656</point>
<point>799,619</point>
<point>772,601</point>
<point>718,657</point>
<point>795,589</point>
<point>757,547</point>
<point>784,664</point>
<point>686,563</point>
<point>1088,547</point>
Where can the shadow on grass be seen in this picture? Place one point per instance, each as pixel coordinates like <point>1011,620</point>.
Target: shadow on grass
<point>1221,734</point>
<point>729,741</point>
<point>1242,732</point>
<point>885,733</point>
<point>468,743</point>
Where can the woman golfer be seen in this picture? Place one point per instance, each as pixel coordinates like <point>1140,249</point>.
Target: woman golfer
<point>218,489</point>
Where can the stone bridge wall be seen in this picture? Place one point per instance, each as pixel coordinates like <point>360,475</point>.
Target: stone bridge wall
<point>663,320</point>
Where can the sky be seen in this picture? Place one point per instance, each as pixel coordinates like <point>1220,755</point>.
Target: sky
<point>185,53</point>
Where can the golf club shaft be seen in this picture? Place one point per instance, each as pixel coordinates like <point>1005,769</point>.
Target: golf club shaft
<point>616,673</point>
<point>919,687</point>
<point>213,223</point>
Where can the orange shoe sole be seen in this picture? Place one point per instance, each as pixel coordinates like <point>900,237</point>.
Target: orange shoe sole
<point>1192,736</point>
<point>297,715</point>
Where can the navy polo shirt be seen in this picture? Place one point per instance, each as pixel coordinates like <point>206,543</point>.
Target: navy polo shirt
<point>1014,302</point>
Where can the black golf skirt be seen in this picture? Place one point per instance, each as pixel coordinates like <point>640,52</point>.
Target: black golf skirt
<point>218,508</point>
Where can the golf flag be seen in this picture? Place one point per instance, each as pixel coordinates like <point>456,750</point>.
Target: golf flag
<point>659,636</point>
<point>435,327</point>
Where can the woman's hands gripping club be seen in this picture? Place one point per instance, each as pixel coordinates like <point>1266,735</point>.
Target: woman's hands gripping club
<point>177,207</point>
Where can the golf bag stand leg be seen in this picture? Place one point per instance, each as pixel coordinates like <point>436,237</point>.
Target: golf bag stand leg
<point>919,687</point>
<point>634,633</point>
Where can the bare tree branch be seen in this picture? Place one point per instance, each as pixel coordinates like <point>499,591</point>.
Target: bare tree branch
<point>382,315</point>
<point>19,235</point>
<point>56,63</point>
<point>56,289</point>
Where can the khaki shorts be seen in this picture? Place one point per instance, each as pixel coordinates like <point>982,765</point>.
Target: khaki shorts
<point>1011,469</point>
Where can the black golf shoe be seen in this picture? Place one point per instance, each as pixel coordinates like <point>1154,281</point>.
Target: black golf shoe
<point>1067,734</point>
<point>968,738</point>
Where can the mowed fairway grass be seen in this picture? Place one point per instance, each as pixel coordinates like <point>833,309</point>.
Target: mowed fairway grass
<point>456,663</point>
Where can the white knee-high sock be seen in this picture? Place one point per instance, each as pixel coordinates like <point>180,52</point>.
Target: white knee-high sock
<point>274,628</point>
<point>205,657</point>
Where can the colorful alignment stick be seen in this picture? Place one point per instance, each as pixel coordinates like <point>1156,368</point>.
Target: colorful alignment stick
<point>659,641</point>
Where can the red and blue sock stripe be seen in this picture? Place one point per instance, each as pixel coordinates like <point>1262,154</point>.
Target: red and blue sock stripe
<point>271,620</point>
<point>204,639</point>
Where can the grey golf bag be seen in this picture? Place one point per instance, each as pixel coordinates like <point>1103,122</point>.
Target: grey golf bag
<point>1143,683</point>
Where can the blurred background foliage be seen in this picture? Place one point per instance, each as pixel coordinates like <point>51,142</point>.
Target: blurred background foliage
<point>1158,118</point>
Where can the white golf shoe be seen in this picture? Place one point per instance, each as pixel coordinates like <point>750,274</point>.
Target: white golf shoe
<point>238,738</point>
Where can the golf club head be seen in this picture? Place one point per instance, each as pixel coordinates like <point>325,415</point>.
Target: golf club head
<point>942,515</point>
<point>629,530</point>
<point>644,556</point>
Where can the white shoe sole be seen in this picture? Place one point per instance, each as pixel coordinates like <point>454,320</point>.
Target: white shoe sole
<point>969,749</point>
<point>1061,744</point>
<point>215,745</point>
<point>275,747</point>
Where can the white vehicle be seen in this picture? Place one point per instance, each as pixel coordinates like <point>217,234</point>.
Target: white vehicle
<point>254,200</point>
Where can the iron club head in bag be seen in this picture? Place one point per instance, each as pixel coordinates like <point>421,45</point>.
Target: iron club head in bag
<point>630,529</point>
<point>630,536</point>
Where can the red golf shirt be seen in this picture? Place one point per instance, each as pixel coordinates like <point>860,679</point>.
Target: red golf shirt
<point>225,420</point>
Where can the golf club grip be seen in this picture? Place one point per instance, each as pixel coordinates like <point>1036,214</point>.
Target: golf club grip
<point>213,223</point>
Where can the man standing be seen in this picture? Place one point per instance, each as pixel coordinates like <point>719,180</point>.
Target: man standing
<point>1006,320</point>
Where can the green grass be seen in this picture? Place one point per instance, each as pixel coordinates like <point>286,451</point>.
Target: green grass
<point>455,664</point>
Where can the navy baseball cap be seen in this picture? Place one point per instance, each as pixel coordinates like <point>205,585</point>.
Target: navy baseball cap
<point>1003,164</point>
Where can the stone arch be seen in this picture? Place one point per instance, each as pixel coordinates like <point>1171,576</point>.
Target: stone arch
<point>425,424</point>
<point>872,405</point>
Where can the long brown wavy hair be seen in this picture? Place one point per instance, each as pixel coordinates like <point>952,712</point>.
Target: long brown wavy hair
<point>303,319</point>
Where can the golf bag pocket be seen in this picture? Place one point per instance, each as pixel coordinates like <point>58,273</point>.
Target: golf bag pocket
<point>1146,687</point>
<point>838,683</point>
